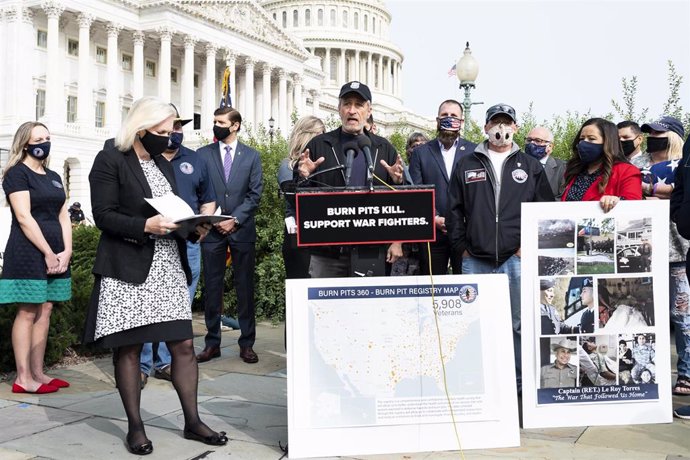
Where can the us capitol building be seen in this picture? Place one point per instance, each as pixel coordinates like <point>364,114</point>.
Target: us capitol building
<point>78,65</point>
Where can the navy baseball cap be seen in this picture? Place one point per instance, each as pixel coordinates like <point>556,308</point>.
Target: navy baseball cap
<point>664,124</point>
<point>356,87</point>
<point>500,109</point>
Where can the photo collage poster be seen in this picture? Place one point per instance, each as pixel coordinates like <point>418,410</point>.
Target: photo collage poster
<point>595,313</point>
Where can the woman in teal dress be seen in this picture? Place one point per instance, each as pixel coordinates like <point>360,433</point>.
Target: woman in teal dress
<point>36,268</point>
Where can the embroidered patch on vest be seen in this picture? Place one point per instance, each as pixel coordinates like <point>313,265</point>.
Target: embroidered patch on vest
<point>475,175</point>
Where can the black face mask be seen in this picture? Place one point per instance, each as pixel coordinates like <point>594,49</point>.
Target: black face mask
<point>657,144</point>
<point>628,146</point>
<point>39,151</point>
<point>220,132</point>
<point>153,143</point>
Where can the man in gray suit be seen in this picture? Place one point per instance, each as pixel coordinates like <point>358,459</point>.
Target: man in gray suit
<point>235,172</point>
<point>539,144</point>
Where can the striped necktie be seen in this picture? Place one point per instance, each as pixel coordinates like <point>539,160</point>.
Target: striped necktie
<point>227,162</point>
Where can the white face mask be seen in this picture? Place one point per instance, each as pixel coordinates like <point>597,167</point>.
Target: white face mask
<point>501,135</point>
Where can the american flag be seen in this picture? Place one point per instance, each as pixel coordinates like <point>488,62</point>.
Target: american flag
<point>225,99</point>
<point>451,72</point>
<point>662,173</point>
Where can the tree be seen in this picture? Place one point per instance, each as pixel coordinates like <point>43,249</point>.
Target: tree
<point>627,111</point>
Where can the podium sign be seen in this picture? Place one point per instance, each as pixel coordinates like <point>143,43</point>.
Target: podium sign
<point>364,217</point>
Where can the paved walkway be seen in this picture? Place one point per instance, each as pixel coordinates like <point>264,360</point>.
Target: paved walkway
<point>249,402</point>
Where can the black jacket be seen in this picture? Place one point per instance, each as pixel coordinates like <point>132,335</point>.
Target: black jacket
<point>488,227</point>
<point>680,198</point>
<point>428,167</point>
<point>118,189</point>
<point>328,146</point>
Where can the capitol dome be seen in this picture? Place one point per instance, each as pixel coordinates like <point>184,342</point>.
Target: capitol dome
<point>352,39</point>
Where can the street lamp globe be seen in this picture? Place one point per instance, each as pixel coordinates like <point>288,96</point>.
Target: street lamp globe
<point>467,67</point>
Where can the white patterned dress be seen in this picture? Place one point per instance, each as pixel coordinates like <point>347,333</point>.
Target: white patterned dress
<point>161,298</point>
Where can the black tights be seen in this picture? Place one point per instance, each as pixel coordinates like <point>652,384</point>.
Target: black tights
<point>185,379</point>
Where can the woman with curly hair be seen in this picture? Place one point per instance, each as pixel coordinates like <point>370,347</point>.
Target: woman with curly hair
<point>598,169</point>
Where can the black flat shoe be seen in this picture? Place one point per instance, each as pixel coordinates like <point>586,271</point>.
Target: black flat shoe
<point>141,449</point>
<point>216,439</point>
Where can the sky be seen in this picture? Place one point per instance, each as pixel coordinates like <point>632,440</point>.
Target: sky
<point>560,55</point>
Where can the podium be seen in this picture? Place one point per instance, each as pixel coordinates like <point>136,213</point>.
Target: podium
<point>361,221</point>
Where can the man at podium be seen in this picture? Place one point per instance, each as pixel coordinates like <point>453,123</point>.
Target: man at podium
<point>342,158</point>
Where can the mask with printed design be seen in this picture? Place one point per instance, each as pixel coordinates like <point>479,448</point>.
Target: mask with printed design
<point>501,135</point>
<point>39,151</point>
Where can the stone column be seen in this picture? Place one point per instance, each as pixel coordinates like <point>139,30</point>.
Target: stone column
<point>283,116</point>
<point>380,72</point>
<point>370,70</point>
<point>357,66</point>
<point>266,112</point>
<point>113,111</point>
<point>315,95</point>
<point>290,98</point>
<point>19,95</point>
<point>4,34</point>
<point>230,61</point>
<point>342,79</point>
<point>85,107</point>
<point>209,102</point>
<point>248,114</point>
<point>187,90</point>
<point>387,76</point>
<point>54,78</point>
<point>400,80</point>
<point>138,65</point>
<point>164,63</point>
<point>327,66</point>
<point>299,100</point>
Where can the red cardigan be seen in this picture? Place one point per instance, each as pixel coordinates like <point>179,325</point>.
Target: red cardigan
<point>625,182</point>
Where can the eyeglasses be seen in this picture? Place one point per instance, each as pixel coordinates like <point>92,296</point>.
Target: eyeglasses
<point>536,140</point>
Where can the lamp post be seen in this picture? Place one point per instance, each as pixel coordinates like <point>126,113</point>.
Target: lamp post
<point>466,70</point>
<point>271,124</point>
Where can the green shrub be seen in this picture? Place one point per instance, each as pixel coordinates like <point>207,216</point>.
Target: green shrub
<point>67,320</point>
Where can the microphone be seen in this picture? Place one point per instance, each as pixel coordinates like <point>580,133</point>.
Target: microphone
<point>350,148</point>
<point>364,144</point>
<point>318,173</point>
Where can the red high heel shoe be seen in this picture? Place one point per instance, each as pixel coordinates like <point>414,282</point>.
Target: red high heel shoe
<point>58,383</point>
<point>43,389</point>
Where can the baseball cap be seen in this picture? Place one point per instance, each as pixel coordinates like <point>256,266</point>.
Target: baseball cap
<point>664,124</point>
<point>500,109</point>
<point>545,284</point>
<point>183,121</point>
<point>356,87</point>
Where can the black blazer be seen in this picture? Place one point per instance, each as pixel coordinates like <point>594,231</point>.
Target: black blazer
<point>240,195</point>
<point>118,189</point>
<point>428,167</point>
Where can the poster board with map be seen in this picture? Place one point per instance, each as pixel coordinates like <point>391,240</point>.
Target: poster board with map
<point>364,365</point>
<point>595,314</point>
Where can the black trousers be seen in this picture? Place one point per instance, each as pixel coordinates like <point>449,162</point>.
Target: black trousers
<point>243,264</point>
<point>441,253</point>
